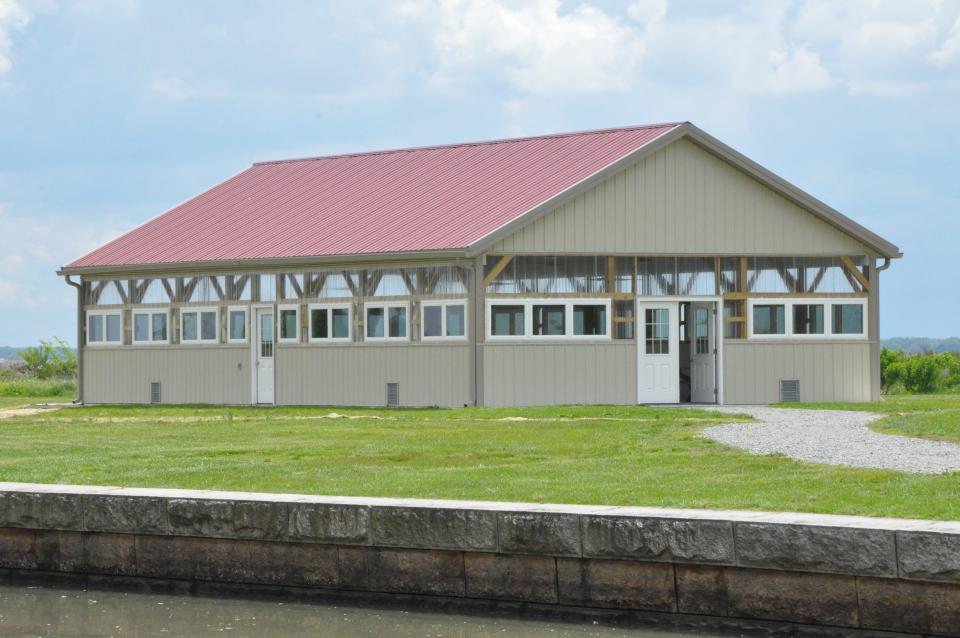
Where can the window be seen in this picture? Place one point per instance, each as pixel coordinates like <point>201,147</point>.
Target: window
<point>800,319</point>
<point>768,319</point>
<point>289,324</point>
<point>444,320</point>
<point>848,319</point>
<point>549,321</point>
<point>198,325</point>
<point>556,319</point>
<point>808,319</point>
<point>104,328</point>
<point>387,321</point>
<point>506,321</point>
<point>589,320</point>
<point>658,330</point>
<point>237,325</point>
<point>150,327</point>
<point>701,330</point>
<point>329,323</point>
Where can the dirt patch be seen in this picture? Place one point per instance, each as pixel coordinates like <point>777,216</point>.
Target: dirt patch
<point>27,411</point>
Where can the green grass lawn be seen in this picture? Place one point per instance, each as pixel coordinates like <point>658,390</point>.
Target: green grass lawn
<point>603,455</point>
<point>19,402</point>
<point>928,416</point>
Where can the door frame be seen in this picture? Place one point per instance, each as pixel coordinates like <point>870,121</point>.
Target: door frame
<point>255,348</point>
<point>718,331</point>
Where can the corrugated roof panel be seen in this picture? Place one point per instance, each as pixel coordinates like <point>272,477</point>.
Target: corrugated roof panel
<point>432,198</point>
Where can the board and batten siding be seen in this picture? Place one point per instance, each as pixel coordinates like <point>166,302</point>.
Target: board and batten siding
<point>357,374</point>
<point>520,374</point>
<point>827,371</point>
<point>680,200</point>
<point>187,374</point>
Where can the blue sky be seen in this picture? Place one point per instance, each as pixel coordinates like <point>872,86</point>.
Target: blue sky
<point>112,111</point>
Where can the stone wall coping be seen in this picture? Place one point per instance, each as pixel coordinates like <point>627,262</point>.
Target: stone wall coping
<point>733,516</point>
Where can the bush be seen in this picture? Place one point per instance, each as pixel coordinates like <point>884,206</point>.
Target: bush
<point>27,387</point>
<point>50,360</point>
<point>922,373</point>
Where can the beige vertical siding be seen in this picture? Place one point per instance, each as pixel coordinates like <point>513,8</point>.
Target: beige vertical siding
<point>550,374</point>
<point>683,200</point>
<point>355,374</point>
<point>188,374</point>
<point>828,371</point>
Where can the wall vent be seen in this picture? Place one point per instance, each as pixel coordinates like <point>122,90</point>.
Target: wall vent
<point>155,392</point>
<point>393,395</point>
<point>789,391</point>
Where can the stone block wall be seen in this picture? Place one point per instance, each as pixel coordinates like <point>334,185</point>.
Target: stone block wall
<point>843,574</point>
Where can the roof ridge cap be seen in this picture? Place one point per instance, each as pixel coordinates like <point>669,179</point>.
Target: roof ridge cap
<point>435,147</point>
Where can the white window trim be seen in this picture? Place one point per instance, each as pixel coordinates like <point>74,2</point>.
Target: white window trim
<point>246,323</point>
<point>443,319</point>
<point>280,309</point>
<point>386,321</point>
<point>102,315</point>
<point>789,302</point>
<point>149,313</point>
<point>198,309</point>
<point>568,304</point>
<point>329,307</point>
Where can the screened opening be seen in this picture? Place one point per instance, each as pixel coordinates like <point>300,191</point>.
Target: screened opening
<point>808,319</point>
<point>319,324</point>
<point>340,322</point>
<point>549,320</point>
<point>288,324</point>
<point>433,321</point>
<point>375,323</point>
<point>456,320</point>
<point>506,321</point>
<point>238,325</point>
<point>847,319</point>
<point>768,319</point>
<point>590,319</point>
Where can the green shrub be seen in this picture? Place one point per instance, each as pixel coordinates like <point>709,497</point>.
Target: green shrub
<point>920,373</point>
<point>50,360</point>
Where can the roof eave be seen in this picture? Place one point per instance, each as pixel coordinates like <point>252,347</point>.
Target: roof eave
<point>269,264</point>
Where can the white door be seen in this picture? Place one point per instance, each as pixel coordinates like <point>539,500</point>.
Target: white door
<point>658,374</point>
<point>264,355</point>
<point>703,353</point>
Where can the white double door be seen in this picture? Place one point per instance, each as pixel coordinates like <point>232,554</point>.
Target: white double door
<point>658,352</point>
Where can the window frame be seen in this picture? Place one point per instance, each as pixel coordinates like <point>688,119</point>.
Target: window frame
<point>246,323</point>
<point>444,303</point>
<point>150,312</point>
<point>199,310</point>
<point>296,323</point>
<point>329,308</point>
<point>386,320</point>
<point>102,316</point>
<point>827,302</point>
<point>567,302</point>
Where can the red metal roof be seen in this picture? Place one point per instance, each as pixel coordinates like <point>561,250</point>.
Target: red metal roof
<point>431,198</point>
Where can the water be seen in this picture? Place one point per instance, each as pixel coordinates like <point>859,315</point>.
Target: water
<point>61,611</point>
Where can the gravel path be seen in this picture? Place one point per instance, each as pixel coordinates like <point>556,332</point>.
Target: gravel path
<point>833,437</point>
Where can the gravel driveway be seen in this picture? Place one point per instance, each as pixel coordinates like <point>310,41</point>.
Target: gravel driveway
<point>833,437</point>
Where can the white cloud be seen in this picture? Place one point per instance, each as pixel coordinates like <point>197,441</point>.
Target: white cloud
<point>547,47</point>
<point>12,18</point>
<point>795,71</point>
<point>949,51</point>
<point>533,45</point>
<point>171,88</point>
